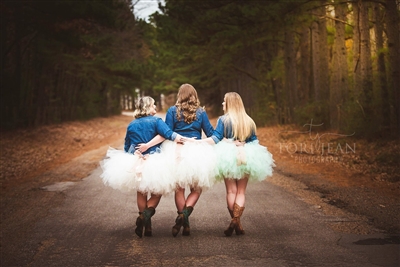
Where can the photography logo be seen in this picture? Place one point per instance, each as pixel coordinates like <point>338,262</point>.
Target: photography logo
<point>317,148</point>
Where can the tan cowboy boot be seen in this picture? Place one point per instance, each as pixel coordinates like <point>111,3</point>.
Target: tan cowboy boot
<point>237,212</point>
<point>239,228</point>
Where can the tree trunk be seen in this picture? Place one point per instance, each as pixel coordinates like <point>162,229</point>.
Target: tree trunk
<point>392,31</point>
<point>356,51</point>
<point>338,81</point>
<point>304,77</point>
<point>381,68</point>
<point>290,71</point>
<point>324,53</point>
<point>316,61</point>
<point>365,60</point>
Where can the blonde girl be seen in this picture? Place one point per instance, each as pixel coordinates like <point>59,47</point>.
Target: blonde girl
<point>240,157</point>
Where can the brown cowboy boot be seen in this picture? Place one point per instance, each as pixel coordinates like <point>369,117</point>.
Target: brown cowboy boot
<point>239,228</point>
<point>178,224</point>
<point>139,225</point>
<point>234,222</point>
<point>186,227</point>
<point>147,214</point>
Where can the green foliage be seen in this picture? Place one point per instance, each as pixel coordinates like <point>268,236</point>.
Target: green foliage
<point>317,112</point>
<point>354,120</point>
<point>79,57</point>
<point>331,34</point>
<point>75,56</point>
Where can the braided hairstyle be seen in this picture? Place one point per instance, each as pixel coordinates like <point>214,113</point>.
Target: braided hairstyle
<point>142,107</point>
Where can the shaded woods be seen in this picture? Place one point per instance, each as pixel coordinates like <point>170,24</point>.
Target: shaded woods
<point>336,62</point>
<point>66,60</point>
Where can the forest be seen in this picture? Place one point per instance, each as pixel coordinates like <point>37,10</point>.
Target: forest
<point>335,62</point>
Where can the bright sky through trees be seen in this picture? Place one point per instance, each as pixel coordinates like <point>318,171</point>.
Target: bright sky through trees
<point>144,8</point>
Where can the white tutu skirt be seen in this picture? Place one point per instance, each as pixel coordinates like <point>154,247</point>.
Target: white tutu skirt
<point>236,162</point>
<point>128,172</point>
<point>194,164</point>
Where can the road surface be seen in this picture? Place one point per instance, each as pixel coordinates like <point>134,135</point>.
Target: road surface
<point>88,224</point>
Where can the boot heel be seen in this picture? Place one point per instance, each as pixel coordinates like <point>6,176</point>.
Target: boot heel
<point>147,214</point>
<point>235,224</point>
<point>231,228</point>
<point>186,226</point>
<point>139,225</point>
<point>186,231</point>
<point>178,224</point>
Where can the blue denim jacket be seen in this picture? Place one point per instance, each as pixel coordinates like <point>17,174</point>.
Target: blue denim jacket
<point>220,132</point>
<point>189,129</point>
<point>144,129</point>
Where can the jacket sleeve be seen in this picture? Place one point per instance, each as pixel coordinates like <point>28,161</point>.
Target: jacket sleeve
<point>127,144</point>
<point>218,133</point>
<point>164,130</point>
<point>252,138</point>
<point>206,125</point>
<point>169,118</point>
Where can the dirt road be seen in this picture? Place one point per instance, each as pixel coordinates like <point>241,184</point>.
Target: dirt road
<point>34,162</point>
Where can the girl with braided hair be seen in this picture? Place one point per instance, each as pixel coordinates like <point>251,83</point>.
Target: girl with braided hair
<point>147,173</point>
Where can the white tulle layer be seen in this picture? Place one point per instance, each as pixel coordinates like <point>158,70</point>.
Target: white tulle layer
<point>236,162</point>
<point>194,163</point>
<point>128,172</point>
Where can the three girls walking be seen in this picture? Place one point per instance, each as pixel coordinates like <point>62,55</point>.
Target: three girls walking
<point>230,153</point>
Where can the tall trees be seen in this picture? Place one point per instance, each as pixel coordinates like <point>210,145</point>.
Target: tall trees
<point>332,61</point>
<point>319,53</point>
<point>62,60</point>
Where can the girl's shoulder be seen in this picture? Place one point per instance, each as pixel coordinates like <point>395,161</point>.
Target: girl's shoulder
<point>171,109</point>
<point>222,117</point>
<point>200,111</point>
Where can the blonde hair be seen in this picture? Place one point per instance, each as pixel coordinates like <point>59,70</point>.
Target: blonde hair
<point>242,125</point>
<point>187,103</point>
<point>142,107</point>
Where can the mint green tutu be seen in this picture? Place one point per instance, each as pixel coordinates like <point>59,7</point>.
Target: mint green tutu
<point>236,162</point>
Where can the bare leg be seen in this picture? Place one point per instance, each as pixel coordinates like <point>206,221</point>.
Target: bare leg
<point>241,191</point>
<point>142,204</point>
<point>235,197</point>
<point>153,201</point>
<point>193,197</point>
<point>231,190</point>
<point>141,201</point>
<point>180,199</point>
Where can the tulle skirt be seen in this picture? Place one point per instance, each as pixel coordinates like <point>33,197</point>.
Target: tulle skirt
<point>128,172</point>
<point>236,162</point>
<point>194,164</point>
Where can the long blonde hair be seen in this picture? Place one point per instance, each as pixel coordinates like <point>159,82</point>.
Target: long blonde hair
<point>242,125</point>
<point>142,107</point>
<point>187,103</point>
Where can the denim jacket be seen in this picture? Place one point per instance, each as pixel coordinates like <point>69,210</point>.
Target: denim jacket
<point>143,129</point>
<point>220,131</point>
<point>192,129</point>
